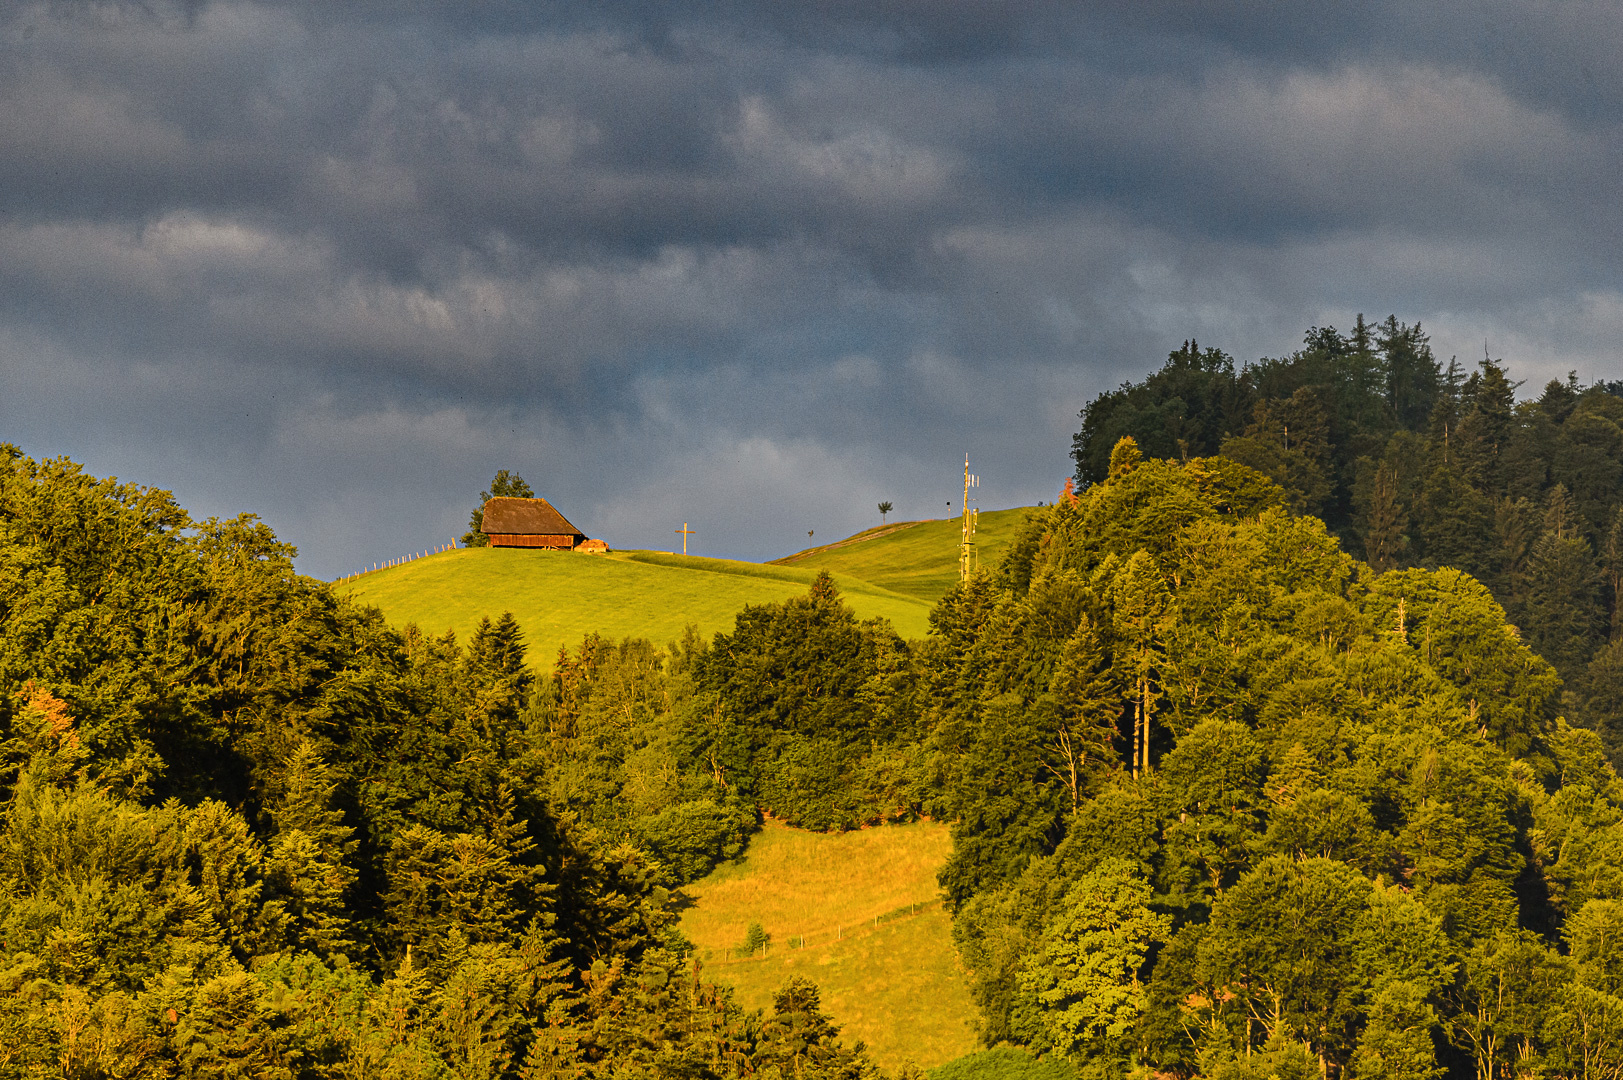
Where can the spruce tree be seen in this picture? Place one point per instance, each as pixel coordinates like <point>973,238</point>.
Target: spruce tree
<point>309,867</point>
<point>227,867</point>
<point>1411,374</point>
<point>1455,522</point>
<point>1563,616</point>
<point>1486,426</point>
<point>1442,426</point>
<point>230,1027</point>
<point>1611,559</point>
<point>497,679</point>
<point>1384,521</point>
<point>1517,525</point>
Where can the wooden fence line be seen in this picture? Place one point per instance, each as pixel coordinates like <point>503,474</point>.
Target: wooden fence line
<point>388,564</point>
<point>806,940</point>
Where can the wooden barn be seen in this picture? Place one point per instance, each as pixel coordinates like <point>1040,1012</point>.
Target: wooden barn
<point>530,523</point>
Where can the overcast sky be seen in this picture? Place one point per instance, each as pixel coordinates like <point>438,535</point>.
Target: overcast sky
<point>753,266</point>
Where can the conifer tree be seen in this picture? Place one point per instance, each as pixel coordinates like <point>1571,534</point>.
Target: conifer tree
<point>1411,373</point>
<point>395,1033</point>
<point>1516,528</point>
<point>229,1027</point>
<point>1442,426</point>
<point>227,867</point>
<point>1455,522</point>
<point>309,866</point>
<point>1485,427</point>
<point>799,1039</point>
<point>1611,558</point>
<point>1563,613</point>
<point>1385,521</point>
<point>1089,697</point>
<point>473,884</point>
<point>497,678</point>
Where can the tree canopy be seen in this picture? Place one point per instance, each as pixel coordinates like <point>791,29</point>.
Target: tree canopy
<point>1318,815</point>
<point>1416,464</point>
<point>504,485</point>
<point>247,829</point>
<point>1225,799</point>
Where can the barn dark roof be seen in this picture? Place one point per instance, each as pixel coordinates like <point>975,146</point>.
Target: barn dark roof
<point>525,517</point>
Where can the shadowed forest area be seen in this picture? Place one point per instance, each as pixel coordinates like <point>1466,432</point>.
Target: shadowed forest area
<point>1224,799</point>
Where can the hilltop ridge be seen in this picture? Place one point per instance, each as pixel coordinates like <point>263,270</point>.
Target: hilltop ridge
<point>915,558</point>
<point>895,571</point>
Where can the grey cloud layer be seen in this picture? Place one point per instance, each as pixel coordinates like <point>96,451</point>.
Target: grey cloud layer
<point>755,265</point>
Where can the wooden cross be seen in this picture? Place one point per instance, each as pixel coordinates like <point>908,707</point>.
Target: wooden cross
<point>686,532</point>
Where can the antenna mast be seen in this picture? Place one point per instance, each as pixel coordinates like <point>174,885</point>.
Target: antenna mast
<point>966,550</point>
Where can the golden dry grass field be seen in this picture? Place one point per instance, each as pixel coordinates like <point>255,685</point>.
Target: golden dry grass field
<point>895,983</point>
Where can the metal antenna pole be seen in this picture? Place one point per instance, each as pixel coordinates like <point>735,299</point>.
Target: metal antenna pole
<point>966,549</point>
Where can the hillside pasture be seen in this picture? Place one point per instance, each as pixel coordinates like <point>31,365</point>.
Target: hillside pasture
<point>915,558</point>
<point>559,597</point>
<point>859,914</point>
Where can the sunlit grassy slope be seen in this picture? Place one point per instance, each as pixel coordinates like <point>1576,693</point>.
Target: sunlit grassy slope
<point>558,597</point>
<point>876,940</point>
<point>918,558</point>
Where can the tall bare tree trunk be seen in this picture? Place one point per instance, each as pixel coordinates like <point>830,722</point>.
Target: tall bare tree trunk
<point>1144,714</point>
<point>1138,729</point>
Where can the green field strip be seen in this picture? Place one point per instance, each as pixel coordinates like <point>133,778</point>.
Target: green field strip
<point>559,597</point>
<point>804,576</point>
<point>917,559</point>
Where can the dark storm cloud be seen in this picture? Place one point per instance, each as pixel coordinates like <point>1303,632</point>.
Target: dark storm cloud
<point>755,265</point>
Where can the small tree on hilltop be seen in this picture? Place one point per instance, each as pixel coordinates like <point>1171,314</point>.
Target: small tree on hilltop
<point>884,508</point>
<point>505,485</point>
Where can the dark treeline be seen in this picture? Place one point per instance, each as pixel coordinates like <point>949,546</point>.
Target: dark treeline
<point>1225,802</point>
<point>1414,463</point>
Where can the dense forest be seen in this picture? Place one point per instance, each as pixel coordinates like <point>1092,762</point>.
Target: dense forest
<point>1230,803</point>
<point>1413,463</point>
<point>248,830</point>
<point>1225,800</point>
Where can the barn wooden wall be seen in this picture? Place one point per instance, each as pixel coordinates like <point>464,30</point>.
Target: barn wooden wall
<point>531,540</point>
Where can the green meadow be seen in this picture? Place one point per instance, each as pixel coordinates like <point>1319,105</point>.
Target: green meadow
<point>916,558</point>
<point>559,597</point>
<point>858,913</point>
